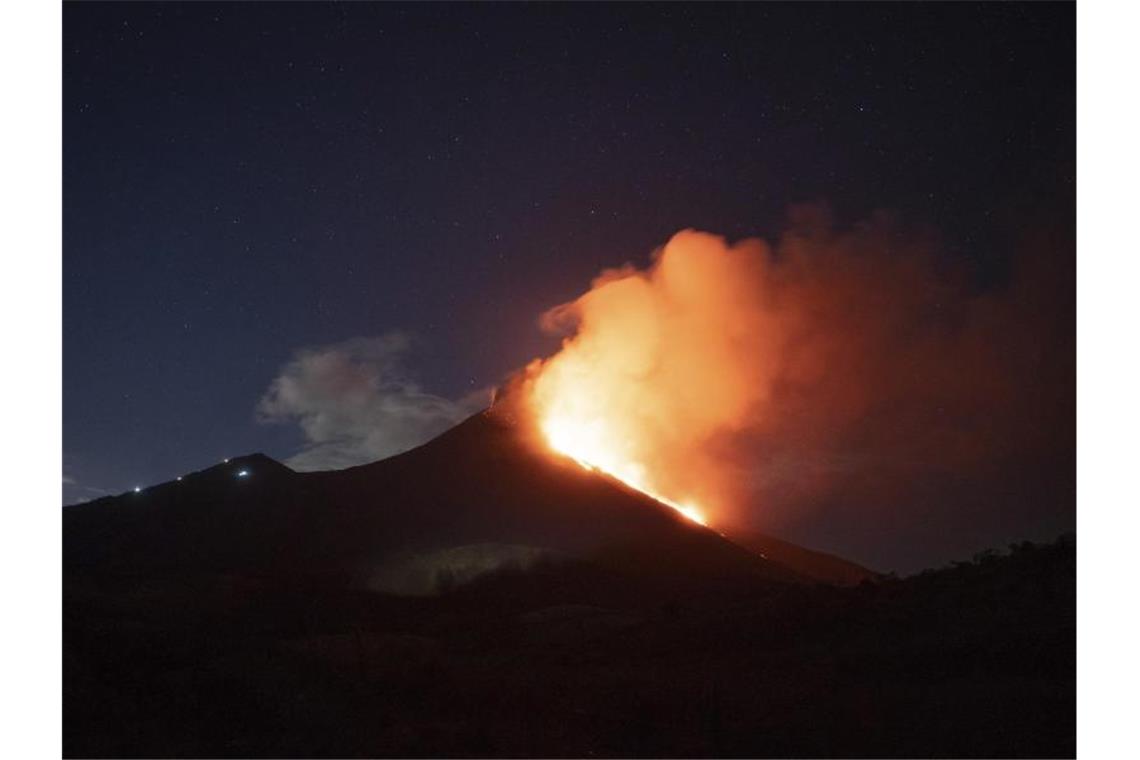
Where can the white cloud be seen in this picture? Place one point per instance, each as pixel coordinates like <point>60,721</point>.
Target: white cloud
<point>355,403</point>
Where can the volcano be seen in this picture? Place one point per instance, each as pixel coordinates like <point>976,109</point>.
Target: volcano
<point>480,497</point>
<point>481,596</point>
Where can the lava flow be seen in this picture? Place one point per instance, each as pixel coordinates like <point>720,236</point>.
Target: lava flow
<point>588,443</point>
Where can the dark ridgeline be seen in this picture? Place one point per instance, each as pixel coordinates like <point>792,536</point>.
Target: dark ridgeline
<point>479,483</point>
<point>470,597</point>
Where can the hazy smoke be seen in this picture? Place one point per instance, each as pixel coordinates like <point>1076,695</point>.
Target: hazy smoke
<point>356,403</point>
<point>761,379</point>
<point>75,491</point>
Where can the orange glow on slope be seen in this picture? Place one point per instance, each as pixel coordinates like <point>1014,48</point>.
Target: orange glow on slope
<point>655,365</point>
<point>589,443</point>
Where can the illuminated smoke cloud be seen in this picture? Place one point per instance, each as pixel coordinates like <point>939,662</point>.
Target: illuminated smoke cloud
<point>756,379</point>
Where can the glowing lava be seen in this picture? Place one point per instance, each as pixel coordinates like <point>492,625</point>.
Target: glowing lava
<point>656,367</point>
<point>590,443</point>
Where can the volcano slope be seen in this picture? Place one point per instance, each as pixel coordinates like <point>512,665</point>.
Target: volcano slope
<point>481,495</point>
<point>477,596</point>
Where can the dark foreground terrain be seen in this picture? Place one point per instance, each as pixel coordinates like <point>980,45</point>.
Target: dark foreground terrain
<point>974,660</point>
<point>471,598</point>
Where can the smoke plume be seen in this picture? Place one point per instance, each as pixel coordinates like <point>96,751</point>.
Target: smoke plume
<point>356,402</point>
<point>762,380</point>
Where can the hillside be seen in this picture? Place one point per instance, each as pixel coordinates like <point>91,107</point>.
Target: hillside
<point>473,597</point>
<point>479,495</point>
<point>818,566</point>
<point>977,660</point>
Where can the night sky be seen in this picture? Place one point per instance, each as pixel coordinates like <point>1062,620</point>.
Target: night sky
<point>243,181</point>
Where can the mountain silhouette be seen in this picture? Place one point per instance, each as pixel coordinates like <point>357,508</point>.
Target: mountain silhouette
<point>478,596</point>
<point>480,496</point>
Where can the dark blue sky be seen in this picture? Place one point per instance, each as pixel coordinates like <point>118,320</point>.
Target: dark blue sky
<point>244,180</point>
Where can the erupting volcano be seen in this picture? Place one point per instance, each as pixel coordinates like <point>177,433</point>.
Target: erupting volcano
<point>652,370</point>
<point>608,505</point>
